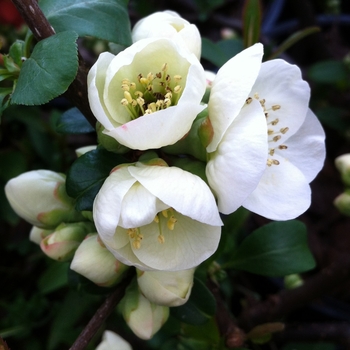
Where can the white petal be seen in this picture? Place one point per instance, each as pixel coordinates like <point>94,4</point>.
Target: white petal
<point>230,89</point>
<point>107,203</point>
<point>157,129</point>
<point>306,148</point>
<point>139,207</point>
<point>235,169</point>
<point>189,244</point>
<point>181,190</point>
<point>280,83</point>
<point>96,81</point>
<point>282,194</point>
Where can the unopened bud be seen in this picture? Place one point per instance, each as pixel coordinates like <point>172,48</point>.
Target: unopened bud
<point>168,288</point>
<point>113,341</point>
<point>342,202</point>
<point>40,197</point>
<point>143,317</point>
<point>343,165</point>
<point>37,234</point>
<point>63,242</point>
<point>95,262</point>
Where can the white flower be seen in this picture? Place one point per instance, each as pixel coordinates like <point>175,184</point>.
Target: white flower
<point>40,197</point>
<point>295,140</point>
<point>267,150</point>
<point>113,341</point>
<point>168,288</point>
<point>169,24</point>
<point>93,261</point>
<point>237,152</point>
<point>148,95</point>
<point>157,217</point>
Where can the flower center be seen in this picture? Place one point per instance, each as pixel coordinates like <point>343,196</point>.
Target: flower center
<point>168,215</point>
<point>274,129</point>
<point>151,93</point>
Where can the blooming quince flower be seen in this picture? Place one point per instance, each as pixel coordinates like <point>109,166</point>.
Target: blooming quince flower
<point>142,316</point>
<point>295,140</point>
<point>238,149</point>
<point>40,197</point>
<point>157,217</point>
<point>168,288</point>
<point>113,341</point>
<point>148,95</point>
<point>93,261</point>
<point>169,24</point>
<point>269,178</point>
<point>63,242</point>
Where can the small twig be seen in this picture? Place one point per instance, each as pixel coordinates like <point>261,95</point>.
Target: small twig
<point>101,315</point>
<point>234,336</point>
<point>279,305</point>
<point>41,28</point>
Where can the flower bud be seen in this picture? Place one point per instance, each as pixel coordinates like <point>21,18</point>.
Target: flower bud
<point>113,341</point>
<point>82,150</point>
<point>143,317</point>
<point>342,202</point>
<point>168,288</point>
<point>37,234</point>
<point>40,197</point>
<point>168,24</point>
<point>95,262</point>
<point>62,243</point>
<point>343,165</point>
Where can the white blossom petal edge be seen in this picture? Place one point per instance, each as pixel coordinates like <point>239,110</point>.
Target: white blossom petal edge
<point>157,217</point>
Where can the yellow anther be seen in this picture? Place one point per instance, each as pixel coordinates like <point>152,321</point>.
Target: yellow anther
<point>269,162</point>
<point>275,122</point>
<point>248,100</point>
<point>272,152</point>
<point>132,86</point>
<point>150,76</point>
<point>149,88</point>
<point>136,244</point>
<point>275,162</point>
<point>148,111</point>
<point>152,106</point>
<point>276,138</point>
<point>134,103</point>
<point>139,77</point>
<point>125,87</point>
<point>167,102</point>
<point>165,213</point>
<point>140,101</point>
<point>161,239</point>
<point>164,67</point>
<point>125,81</point>
<point>159,103</point>
<point>282,147</point>
<point>168,95</point>
<point>144,81</point>
<point>269,132</point>
<point>256,96</point>
<point>177,78</point>
<point>124,102</point>
<point>138,93</point>
<point>128,97</point>
<point>171,223</point>
<point>177,89</point>
<point>276,107</point>
<point>262,102</point>
<point>156,219</point>
<point>284,130</point>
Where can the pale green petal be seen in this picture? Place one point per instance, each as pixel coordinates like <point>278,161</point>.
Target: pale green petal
<point>185,247</point>
<point>96,82</point>
<point>230,89</point>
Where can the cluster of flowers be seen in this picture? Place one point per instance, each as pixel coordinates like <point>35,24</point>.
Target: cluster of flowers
<point>258,141</point>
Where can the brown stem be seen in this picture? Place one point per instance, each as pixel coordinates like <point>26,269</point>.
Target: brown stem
<point>101,315</point>
<point>279,305</point>
<point>41,28</point>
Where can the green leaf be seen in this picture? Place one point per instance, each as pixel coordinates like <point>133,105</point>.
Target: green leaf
<point>200,307</point>
<point>107,19</point>
<point>73,122</point>
<point>251,22</point>
<point>328,72</point>
<point>55,277</point>
<point>87,174</point>
<point>276,249</point>
<point>49,71</point>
